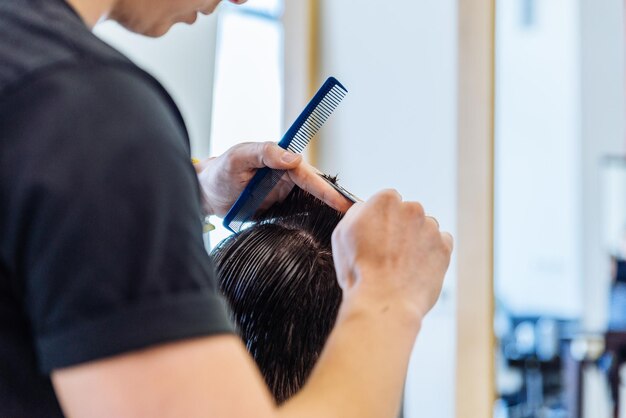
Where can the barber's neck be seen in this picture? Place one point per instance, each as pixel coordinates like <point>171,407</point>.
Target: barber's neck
<point>92,11</point>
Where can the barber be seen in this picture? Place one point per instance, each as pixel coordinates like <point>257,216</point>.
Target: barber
<point>108,301</point>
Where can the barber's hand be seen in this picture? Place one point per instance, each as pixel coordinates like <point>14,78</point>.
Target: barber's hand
<point>390,256</point>
<point>223,178</point>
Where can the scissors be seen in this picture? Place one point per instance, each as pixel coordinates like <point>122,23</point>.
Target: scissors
<point>350,196</point>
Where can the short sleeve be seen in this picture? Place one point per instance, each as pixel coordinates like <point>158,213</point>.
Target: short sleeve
<point>105,217</point>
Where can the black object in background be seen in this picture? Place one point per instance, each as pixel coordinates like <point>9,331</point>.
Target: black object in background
<point>620,271</point>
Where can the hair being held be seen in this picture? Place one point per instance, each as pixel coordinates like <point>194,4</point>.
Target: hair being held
<point>279,279</point>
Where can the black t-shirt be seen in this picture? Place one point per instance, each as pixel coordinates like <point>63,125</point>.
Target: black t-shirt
<point>101,247</point>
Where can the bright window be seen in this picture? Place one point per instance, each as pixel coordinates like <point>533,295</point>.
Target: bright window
<point>248,94</point>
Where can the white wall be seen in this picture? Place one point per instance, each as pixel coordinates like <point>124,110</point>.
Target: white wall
<point>397,128</point>
<point>538,170</point>
<point>182,61</point>
<point>603,133</point>
<point>560,109</point>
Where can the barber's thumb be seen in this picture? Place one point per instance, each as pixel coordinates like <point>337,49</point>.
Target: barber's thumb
<point>290,158</point>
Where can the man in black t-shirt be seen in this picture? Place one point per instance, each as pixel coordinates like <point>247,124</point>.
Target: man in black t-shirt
<point>108,304</point>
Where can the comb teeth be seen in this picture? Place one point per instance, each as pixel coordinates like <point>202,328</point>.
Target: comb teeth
<point>316,119</point>
<point>295,139</point>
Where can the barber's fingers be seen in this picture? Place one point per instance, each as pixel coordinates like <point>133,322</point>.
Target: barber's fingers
<point>446,237</point>
<point>386,197</point>
<point>307,177</point>
<point>251,155</point>
<point>433,220</point>
<point>448,240</point>
<point>414,210</point>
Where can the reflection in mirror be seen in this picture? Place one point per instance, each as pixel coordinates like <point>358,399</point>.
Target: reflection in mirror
<point>560,209</point>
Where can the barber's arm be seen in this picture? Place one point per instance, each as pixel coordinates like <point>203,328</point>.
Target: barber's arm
<point>390,259</point>
<point>391,271</point>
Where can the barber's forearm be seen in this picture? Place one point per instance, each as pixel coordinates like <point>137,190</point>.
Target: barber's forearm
<point>362,369</point>
<point>391,274</point>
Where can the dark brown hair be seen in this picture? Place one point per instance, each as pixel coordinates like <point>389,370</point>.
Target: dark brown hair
<point>279,279</point>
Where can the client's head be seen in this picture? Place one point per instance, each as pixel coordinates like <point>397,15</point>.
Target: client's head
<point>279,279</point>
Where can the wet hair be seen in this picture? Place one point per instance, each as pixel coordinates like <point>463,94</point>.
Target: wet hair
<point>279,278</point>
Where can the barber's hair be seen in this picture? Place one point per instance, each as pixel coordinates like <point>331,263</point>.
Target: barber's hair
<point>279,278</point>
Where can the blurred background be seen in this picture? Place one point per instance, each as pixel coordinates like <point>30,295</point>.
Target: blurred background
<point>559,207</point>
<point>550,328</point>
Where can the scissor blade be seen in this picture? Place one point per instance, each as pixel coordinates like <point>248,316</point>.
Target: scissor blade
<point>351,197</point>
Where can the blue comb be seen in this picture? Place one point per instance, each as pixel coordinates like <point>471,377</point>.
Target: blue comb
<point>295,140</point>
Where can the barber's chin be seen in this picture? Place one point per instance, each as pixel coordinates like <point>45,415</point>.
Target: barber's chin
<point>191,19</point>
<point>159,29</point>
<point>156,31</point>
